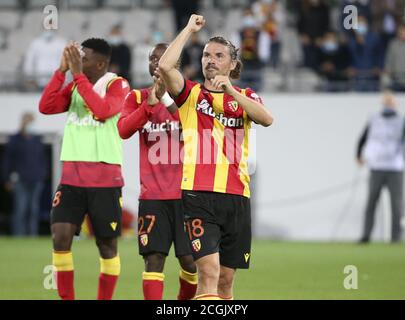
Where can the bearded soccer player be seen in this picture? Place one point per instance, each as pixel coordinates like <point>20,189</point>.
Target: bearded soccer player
<point>216,118</point>
<point>153,114</point>
<point>91,154</point>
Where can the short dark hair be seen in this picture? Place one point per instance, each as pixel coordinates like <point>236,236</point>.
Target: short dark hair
<point>235,73</point>
<point>98,45</point>
<point>165,45</point>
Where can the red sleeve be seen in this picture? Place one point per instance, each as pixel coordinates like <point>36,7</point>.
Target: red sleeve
<point>54,99</point>
<point>185,92</point>
<point>133,116</point>
<point>253,95</point>
<point>110,105</point>
<point>175,116</point>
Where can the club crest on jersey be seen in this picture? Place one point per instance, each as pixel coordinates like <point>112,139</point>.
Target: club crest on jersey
<point>204,107</point>
<point>233,105</point>
<point>196,244</point>
<point>143,238</point>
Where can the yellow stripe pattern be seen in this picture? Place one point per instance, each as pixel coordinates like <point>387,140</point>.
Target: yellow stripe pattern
<point>153,276</point>
<point>63,261</point>
<point>111,267</point>
<point>191,278</point>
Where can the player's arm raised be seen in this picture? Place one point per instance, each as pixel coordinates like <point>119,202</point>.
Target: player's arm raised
<point>167,63</point>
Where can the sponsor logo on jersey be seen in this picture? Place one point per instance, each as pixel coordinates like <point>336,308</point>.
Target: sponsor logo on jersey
<point>204,107</point>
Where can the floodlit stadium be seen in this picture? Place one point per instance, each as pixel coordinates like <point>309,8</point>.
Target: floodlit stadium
<point>125,128</point>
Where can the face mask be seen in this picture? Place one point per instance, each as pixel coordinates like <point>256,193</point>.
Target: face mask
<point>249,22</point>
<point>48,35</point>
<point>157,36</point>
<point>29,128</point>
<point>115,40</point>
<point>362,29</point>
<point>330,46</point>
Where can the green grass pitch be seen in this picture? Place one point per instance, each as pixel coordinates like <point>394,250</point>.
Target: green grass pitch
<point>279,270</point>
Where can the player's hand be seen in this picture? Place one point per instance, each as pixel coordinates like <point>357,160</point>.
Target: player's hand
<point>195,23</point>
<point>152,99</point>
<point>222,83</point>
<point>64,65</point>
<point>160,88</point>
<point>74,60</point>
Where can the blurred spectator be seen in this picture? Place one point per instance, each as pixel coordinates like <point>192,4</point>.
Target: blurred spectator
<point>120,62</point>
<point>254,46</point>
<point>183,9</point>
<point>43,58</point>
<point>313,22</point>
<point>363,9</point>
<point>366,57</point>
<point>395,61</point>
<point>383,144</point>
<point>191,59</point>
<point>274,23</point>
<point>334,64</point>
<point>387,15</point>
<point>24,170</point>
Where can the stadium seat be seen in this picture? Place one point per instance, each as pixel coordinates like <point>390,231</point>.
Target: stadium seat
<point>214,19</point>
<point>137,25</point>
<point>121,4</point>
<point>80,4</point>
<point>165,23</point>
<point>9,4</point>
<point>9,19</point>
<point>40,4</point>
<point>232,21</point>
<point>72,23</point>
<point>153,4</point>
<point>101,21</point>
<point>140,65</point>
<point>32,22</point>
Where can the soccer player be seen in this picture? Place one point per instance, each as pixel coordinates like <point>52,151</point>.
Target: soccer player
<point>91,154</point>
<point>216,117</point>
<point>160,217</point>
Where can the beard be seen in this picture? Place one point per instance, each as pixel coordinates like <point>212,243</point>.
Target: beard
<point>210,74</point>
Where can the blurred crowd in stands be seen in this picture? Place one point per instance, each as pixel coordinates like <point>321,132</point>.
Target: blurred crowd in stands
<point>280,41</point>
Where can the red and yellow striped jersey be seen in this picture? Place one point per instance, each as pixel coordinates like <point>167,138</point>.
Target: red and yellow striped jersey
<point>216,140</point>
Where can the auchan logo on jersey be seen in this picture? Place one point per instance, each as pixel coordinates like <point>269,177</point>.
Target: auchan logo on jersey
<point>166,126</point>
<point>87,121</point>
<point>205,108</point>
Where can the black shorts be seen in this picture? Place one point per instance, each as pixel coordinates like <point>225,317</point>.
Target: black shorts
<point>161,223</point>
<point>219,222</point>
<point>103,206</point>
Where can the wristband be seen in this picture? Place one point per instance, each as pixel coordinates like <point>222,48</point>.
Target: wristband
<point>166,100</point>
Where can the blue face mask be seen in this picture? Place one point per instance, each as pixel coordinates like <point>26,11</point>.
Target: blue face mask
<point>29,128</point>
<point>362,29</point>
<point>157,37</point>
<point>330,46</point>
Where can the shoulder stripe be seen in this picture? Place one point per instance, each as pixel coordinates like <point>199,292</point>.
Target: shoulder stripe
<point>112,81</point>
<point>138,97</point>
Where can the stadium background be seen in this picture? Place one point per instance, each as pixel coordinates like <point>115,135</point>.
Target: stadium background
<point>308,192</point>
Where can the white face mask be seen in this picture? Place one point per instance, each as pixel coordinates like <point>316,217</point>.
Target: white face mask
<point>115,40</point>
<point>362,29</point>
